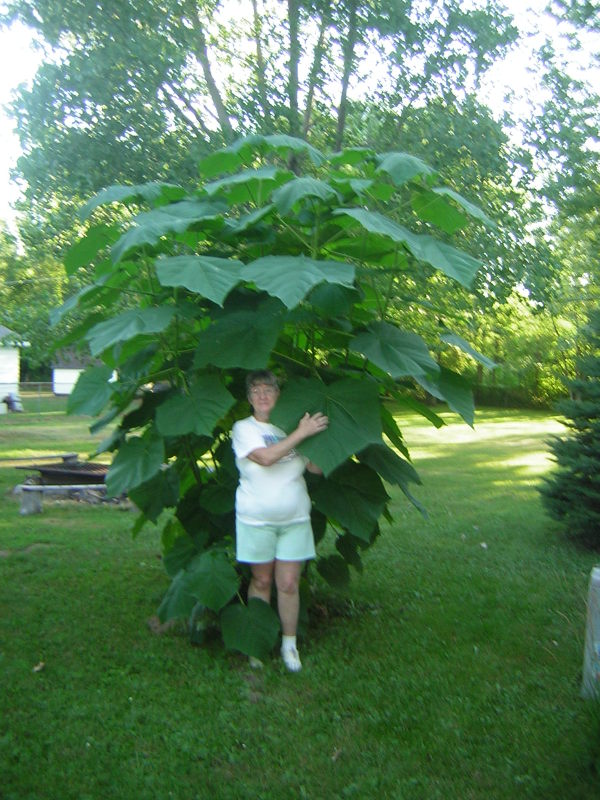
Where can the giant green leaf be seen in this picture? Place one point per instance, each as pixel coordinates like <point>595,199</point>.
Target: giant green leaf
<point>286,197</point>
<point>346,185</point>
<point>368,248</point>
<point>452,262</point>
<point>248,184</point>
<point>353,496</point>
<point>413,405</point>
<point>102,292</point>
<point>351,156</point>
<point>136,237</point>
<point>292,277</point>
<point>348,547</point>
<point>332,299</point>
<point>392,469</point>
<point>91,392</point>
<point>251,629</point>
<point>57,314</point>
<point>392,431</point>
<point>399,353</point>
<point>283,143</point>
<point>454,389</point>
<point>219,163</point>
<point>178,602</point>
<point>208,276</point>
<point>212,579</point>
<point>402,167</point>
<point>471,209</point>
<point>197,411</point>
<point>85,250</point>
<point>246,221</point>
<point>430,207</point>
<point>121,194</point>
<point>457,341</point>
<point>388,465</point>
<point>178,217</point>
<point>334,570</point>
<point>183,549</point>
<point>138,460</point>
<point>280,143</point>
<point>246,147</point>
<point>242,338</point>
<point>354,419</point>
<point>150,226</point>
<point>127,325</point>
<point>160,492</point>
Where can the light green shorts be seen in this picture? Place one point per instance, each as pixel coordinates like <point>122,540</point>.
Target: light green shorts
<point>260,544</point>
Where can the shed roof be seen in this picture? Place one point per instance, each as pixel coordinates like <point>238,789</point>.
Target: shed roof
<point>72,359</point>
<point>6,333</point>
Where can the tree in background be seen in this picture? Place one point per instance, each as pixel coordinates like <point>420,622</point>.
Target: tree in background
<point>29,290</point>
<point>572,493</point>
<point>143,94</point>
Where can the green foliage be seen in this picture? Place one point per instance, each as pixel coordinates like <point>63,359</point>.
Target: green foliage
<point>572,494</point>
<point>263,268</point>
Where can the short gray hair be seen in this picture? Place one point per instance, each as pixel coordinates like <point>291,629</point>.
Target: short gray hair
<point>261,376</point>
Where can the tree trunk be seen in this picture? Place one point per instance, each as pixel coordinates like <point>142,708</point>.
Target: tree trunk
<point>260,68</point>
<point>182,108</point>
<point>315,70</point>
<point>348,64</point>
<point>294,59</point>
<point>200,50</point>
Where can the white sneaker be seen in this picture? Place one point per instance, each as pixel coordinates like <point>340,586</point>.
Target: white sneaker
<point>255,663</point>
<point>291,659</point>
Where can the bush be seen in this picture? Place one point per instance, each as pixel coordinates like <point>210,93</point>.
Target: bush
<point>572,494</point>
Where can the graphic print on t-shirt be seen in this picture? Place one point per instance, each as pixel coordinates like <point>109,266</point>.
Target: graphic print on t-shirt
<point>271,438</point>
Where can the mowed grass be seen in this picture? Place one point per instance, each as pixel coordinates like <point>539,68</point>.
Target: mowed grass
<point>451,669</point>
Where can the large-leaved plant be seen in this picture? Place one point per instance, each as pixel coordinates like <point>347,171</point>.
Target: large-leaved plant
<point>262,266</point>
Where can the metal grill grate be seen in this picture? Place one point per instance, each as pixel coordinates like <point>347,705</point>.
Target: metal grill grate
<point>65,474</point>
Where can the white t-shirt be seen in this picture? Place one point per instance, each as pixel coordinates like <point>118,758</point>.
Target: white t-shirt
<point>272,495</point>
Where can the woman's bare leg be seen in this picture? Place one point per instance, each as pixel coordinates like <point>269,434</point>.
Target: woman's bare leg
<point>261,581</point>
<point>287,579</point>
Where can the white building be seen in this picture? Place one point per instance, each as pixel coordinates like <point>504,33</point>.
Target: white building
<point>65,371</point>
<point>9,364</point>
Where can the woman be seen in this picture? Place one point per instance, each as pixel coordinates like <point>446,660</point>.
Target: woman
<point>273,530</point>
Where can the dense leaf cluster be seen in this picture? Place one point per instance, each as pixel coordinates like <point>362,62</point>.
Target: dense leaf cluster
<point>262,267</point>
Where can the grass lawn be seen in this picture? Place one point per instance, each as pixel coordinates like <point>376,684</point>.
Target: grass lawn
<point>451,669</point>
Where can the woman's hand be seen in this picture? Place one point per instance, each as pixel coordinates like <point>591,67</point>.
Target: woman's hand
<point>310,425</point>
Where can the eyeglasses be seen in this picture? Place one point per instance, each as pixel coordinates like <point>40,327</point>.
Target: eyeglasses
<point>268,390</point>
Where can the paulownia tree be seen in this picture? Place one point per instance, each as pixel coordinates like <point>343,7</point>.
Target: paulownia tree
<point>261,267</point>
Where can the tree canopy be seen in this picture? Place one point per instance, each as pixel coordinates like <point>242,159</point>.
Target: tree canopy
<point>140,93</point>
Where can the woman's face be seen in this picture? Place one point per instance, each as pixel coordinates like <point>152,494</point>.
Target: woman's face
<point>262,397</point>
